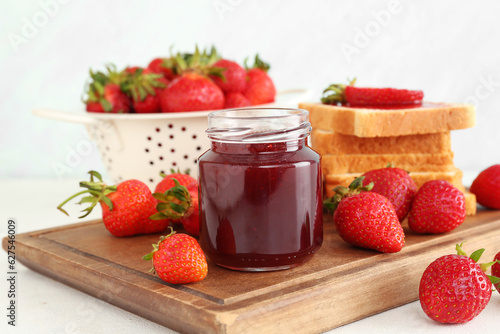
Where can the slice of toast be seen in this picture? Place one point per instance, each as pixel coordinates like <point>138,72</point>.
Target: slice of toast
<point>329,142</point>
<point>430,118</point>
<point>412,162</point>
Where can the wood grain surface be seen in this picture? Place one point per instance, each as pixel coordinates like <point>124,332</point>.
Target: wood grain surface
<point>339,285</point>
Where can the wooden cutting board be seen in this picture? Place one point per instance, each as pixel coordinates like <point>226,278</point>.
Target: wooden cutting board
<point>339,285</point>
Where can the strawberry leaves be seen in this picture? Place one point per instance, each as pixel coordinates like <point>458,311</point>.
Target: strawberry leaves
<point>173,203</point>
<point>98,191</point>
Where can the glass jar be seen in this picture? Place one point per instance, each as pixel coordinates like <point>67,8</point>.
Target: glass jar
<point>260,190</point>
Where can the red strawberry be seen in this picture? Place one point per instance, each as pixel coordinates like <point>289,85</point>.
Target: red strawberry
<point>107,90</point>
<point>260,87</point>
<point>236,100</point>
<point>373,97</point>
<point>495,270</point>
<point>486,187</point>
<point>438,207</point>
<point>191,92</point>
<point>234,76</point>
<point>454,288</point>
<point>163,66</point>
<point>126,208</point>
<point>184,180</point>
<point>116,98</point>
<point>366,219</point>
<point>395,184</point>
<point>178,259</point>
<point>94,107</point>
<point>144,89</point>
<point>179,203</point>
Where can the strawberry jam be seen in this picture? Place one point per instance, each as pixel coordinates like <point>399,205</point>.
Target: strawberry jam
<point>260,191</point>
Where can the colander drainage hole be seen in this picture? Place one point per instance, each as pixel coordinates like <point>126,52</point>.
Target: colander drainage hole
<point>171,136</point>
<point>195,136</point>
<point>185,156</point>
<point>147,150</point>
<point>159,144</point>
<point>172,150</point>
<point>174,163</point>
<point>183,128</point>
<point>198,148</point>
<point>161,158</point>
<point>151,163</point>
<point>149,138</point>
<point>157,129</point>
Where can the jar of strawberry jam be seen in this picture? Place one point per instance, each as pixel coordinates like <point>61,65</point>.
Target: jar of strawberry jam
<point>260,190</point>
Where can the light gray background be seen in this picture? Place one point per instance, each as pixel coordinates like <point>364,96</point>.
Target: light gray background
<point>449,49</point>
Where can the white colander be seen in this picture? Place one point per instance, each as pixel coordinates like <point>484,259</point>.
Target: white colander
<point>141,146</point>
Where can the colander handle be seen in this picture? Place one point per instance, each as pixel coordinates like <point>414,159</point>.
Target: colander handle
<point>66,116</point>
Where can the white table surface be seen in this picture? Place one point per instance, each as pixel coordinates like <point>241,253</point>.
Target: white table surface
<point>47,306</point>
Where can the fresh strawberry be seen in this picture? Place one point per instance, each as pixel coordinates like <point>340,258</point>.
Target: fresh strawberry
<point>107,89</point>
<point>183,178</point>
<point>144,89</point>
<point>126,208</point>
<point>486,187</point>
<point>438,207</point>
<point>114,96</point>
<point>234,77</point>
<point>236,100</point>
<point>163,66</point>
<point>191,92</point>
<point>366,219</point>
<point>179,203</point>
<point>373,97</point>
<point>260,87</point>
<point>94,107</point>
<point>178,259</point>
<point>395,184</point>
<point>454,288</point>
<point>495,270</point>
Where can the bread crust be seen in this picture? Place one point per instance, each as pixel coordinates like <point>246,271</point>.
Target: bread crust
<point>412,162</point>
<point>430,118</point>
<point>329,142</point>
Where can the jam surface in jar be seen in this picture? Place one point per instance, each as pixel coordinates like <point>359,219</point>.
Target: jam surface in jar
<point>260,204</point>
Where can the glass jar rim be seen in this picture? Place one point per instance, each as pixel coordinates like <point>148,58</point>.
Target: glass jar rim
<point>258,125</point>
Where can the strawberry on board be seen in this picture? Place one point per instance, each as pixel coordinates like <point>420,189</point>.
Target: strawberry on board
<point>234,77</point>
<point>395,184</point>
<point>495,270</point>
<point>260,87</point>
<point>236,100</point>
<point>126,208</point>
<point>373,97</point>
<point>366,219</point>
<point>178,259</point>
<point>179,204</point>
<point>486,187</point>
<point>454,288</point>
<point>438,207</point>
<point>183,178</point>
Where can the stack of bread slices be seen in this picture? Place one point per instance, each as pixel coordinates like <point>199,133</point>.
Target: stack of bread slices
<point>353,141</point>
